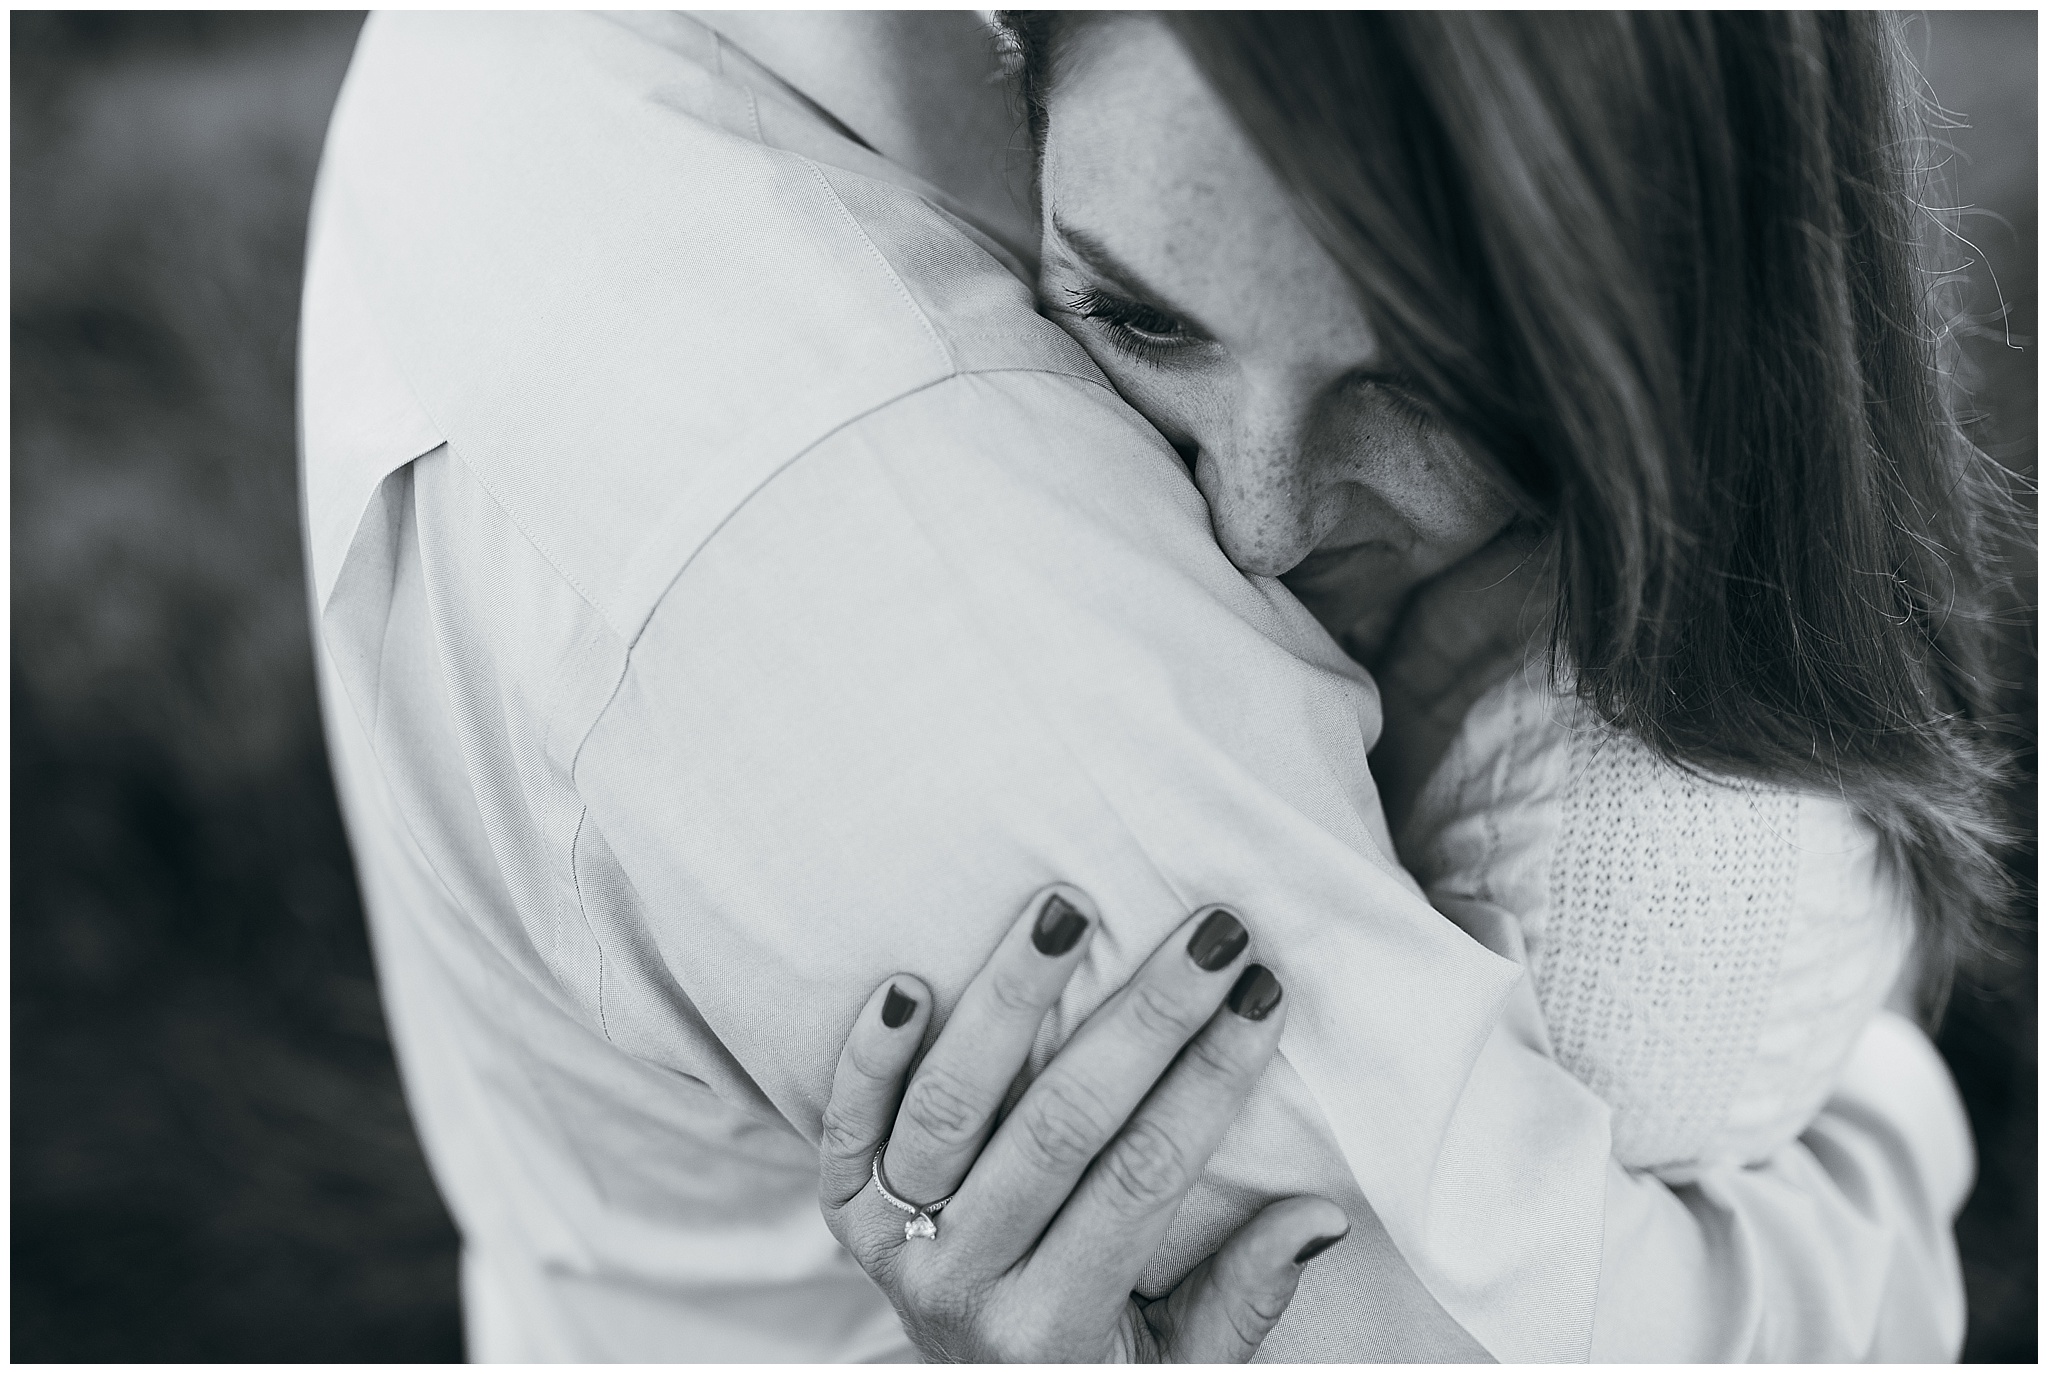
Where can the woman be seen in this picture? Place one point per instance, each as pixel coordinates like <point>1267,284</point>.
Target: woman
<point>1613,318</point>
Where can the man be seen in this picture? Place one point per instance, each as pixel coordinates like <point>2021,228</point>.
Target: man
<point>731,591</point>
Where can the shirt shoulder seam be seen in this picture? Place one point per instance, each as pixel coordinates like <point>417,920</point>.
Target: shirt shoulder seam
<point>767,478</point>
<point>946,358</point>
<point>631,643</point>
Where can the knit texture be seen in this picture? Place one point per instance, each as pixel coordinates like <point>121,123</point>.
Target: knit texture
<point>1704,951</point>
<point>1671,898</point>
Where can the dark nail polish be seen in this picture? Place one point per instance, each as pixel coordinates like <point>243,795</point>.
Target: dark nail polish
<point>1255,993</point>
<point>1059,927</point>
<point>896,1008</point>
<point>1219,939</point>
<point>1315,1247</point>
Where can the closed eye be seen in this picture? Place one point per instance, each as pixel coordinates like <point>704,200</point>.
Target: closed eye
<point>1142,330</point>
<point>1400,396</point>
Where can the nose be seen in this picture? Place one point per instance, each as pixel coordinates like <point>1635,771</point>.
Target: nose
<point>1257,471</point>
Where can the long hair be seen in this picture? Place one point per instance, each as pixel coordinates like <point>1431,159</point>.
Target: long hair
<point>1661,271</point>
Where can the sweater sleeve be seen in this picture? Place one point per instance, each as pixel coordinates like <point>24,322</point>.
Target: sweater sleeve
<point>1709,957</point>
<point>1837,1247</point>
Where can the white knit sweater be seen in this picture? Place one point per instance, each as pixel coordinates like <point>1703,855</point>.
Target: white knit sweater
<point>1705,953</point>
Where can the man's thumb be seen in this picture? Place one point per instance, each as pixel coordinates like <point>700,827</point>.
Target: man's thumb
<point>1224,1308</point>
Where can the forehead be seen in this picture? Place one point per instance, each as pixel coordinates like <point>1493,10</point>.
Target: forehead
<point>1146,158</point>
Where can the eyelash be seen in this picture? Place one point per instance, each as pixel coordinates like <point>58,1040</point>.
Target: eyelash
<point>1139,330</point>
<point>1407,405</point>
<point>1136,329</point>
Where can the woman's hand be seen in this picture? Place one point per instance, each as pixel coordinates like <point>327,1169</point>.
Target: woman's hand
<point>1053,1211</point>
<point>1467,629</point>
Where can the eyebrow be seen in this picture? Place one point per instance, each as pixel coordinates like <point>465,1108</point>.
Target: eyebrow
<point>1104,262</point>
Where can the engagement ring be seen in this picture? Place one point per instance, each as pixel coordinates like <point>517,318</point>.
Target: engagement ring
<point>923,1223</point>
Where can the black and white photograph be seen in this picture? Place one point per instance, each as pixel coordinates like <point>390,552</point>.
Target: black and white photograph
<point>1096,686</point>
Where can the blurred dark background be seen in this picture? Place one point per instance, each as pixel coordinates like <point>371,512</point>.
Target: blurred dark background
<point>211,1157</point>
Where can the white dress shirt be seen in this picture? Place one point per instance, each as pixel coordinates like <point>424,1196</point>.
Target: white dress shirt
<point>729,593</point>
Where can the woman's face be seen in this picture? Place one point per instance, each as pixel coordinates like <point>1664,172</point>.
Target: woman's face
<point>1175,257</point>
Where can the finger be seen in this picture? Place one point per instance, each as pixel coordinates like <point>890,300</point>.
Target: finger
<point>1119,1212</point>
<point>868,1084</point>
<point>1088,1092</point>
<point>951,1102</point>
<point>1224,1309</point>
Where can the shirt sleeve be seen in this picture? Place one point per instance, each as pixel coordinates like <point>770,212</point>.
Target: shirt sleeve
<point>979,640</point>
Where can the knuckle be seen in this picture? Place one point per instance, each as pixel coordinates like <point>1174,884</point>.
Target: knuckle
<point>841,1135</point>
<point>867,1237</point>
<point>1159,1015</point>
<point>925,1291</point>
<point>1145,1169</point>
<point>1263,1306</point>
<point>965,1312</point>
<point>1209,1056</point>
<point>1252,1317</point>
<point>947,1308</point>
<point>1014,996</point>
<point>942,1107</point>
<point>1030,1331</point>
<point>1064,1124</point>
<point>870,1068</point>
<point>1010,1345</point>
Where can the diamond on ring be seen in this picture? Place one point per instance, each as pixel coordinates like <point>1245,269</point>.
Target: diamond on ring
<point>923,1223</point>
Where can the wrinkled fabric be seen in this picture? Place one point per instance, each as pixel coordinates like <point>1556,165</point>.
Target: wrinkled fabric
<point>729,593</point>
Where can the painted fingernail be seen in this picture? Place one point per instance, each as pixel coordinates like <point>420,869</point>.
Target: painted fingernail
<point>1059,927</point>
<point>1315,1247</point>
<point>896,1008</point>
<point>1217,941</point>
<point>1255,993</point>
